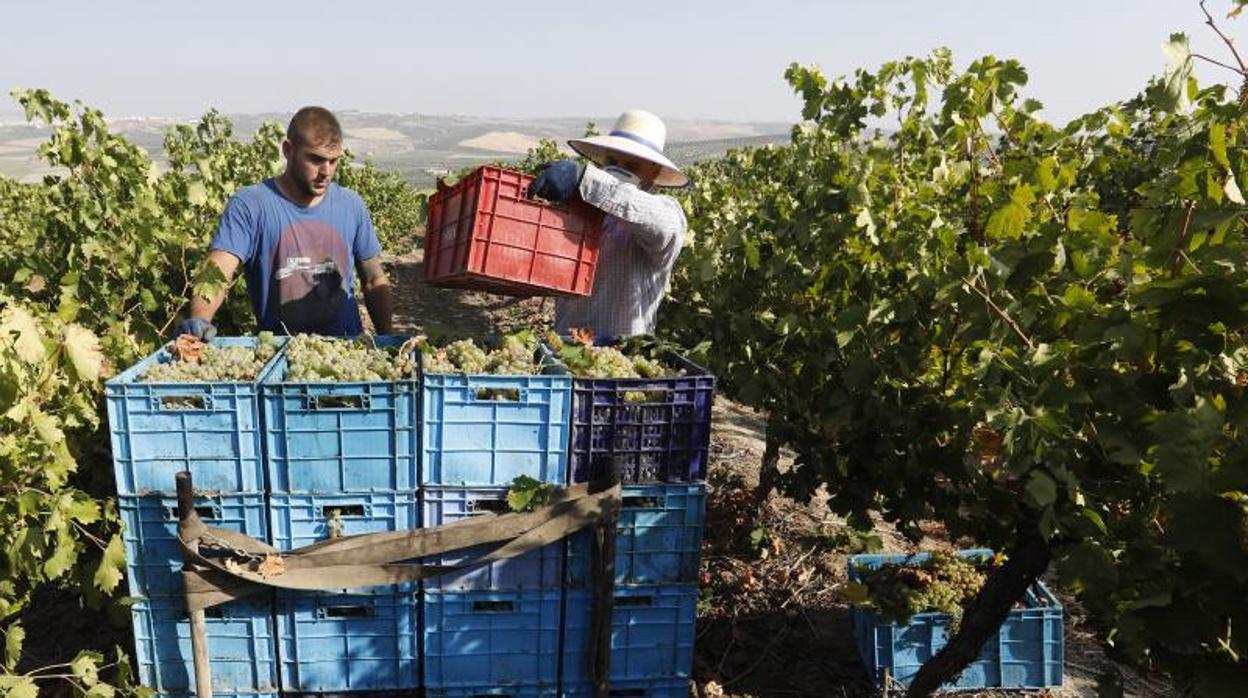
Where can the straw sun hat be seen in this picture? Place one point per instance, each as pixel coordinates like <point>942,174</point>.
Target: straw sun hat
<point>637,134</point>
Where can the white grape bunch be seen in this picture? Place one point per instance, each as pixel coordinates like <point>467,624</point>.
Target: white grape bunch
<point>316,359</point>
<point>514,356</point>
<point>216,364</point>
<point>609,362</point>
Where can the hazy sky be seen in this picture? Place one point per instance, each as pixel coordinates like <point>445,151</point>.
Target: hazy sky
<point>715,59</point>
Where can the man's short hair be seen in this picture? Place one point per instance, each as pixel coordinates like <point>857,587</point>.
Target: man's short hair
<point>314,126</point>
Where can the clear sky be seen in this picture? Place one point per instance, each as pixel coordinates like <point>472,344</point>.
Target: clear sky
<point>719,59</point>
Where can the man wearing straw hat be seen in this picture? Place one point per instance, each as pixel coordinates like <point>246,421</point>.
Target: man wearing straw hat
<point>643,232</point>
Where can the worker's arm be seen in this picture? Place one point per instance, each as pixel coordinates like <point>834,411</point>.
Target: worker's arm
<point>377,294</point>
<point>202,306</point>
<point>658,220</point>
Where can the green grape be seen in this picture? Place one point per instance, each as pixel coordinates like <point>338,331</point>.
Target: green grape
<point>314,359</point>
<point>215,364</point>
<point>945,583</point>
<point>514,356</point>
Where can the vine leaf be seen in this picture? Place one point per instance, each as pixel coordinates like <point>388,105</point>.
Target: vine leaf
<point>28,340</point>
<point>14,637</point>
<point>108,574</point>
<point>84,352</point>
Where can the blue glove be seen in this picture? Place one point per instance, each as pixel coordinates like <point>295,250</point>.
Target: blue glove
<point>194,326</point>
<point>558,181</point>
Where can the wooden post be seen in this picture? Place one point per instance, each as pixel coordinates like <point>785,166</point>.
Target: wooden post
<point>199,627</point>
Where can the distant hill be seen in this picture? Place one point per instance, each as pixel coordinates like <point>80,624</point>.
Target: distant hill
<point>416,145</point>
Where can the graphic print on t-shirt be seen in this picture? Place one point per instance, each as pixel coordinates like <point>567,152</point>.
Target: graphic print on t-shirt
<point>307,276</point>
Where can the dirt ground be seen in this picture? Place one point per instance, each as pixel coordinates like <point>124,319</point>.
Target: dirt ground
<point>767,627</point>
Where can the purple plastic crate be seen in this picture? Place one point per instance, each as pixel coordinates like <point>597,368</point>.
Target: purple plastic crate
<point>662,440</point>
<point>537,569</point>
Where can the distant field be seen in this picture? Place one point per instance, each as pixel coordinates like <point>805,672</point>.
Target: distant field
<point>418,147</point>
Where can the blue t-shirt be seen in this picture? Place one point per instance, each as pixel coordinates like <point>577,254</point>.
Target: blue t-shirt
<point>299,260</point>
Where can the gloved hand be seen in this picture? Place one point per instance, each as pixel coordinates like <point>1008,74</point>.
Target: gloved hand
<point>558,181</point>
<point>194,326</point>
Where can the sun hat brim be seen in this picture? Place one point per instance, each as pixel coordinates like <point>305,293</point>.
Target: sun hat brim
<point>597,148</point>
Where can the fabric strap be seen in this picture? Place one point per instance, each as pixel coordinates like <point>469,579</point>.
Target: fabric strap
<point>240,565</point>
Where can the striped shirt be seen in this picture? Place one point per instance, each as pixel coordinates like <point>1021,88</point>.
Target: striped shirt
<point>641,237</point>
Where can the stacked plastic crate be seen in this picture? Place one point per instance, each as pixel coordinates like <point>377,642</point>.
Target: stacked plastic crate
<point>659,448</point>
<point>342,460</point>
<point>214,431</point>
<point>493,629</point>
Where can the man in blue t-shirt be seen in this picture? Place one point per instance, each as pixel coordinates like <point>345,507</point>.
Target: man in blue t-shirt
<point>300,237</point>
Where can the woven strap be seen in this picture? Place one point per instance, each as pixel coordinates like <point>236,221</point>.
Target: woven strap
<point>249,565</point>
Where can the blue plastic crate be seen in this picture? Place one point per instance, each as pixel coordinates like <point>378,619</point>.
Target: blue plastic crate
<point>649,688</point>
<point>492,692</point>
<point>538,569</point>
<point>347,642</point>
<point>299,520</point>
<point>340,437</point>
<point>1027,653</point>
<point>652,633</point>
<point>663,439</point>
<point>150,537</point>
<point>496,639</point>
<point>468,437</point>
<point>240,645</point>
<point>211,429</point>
<point>658,537</point>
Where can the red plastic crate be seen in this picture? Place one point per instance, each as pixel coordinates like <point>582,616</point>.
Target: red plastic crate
<point>485,234</point>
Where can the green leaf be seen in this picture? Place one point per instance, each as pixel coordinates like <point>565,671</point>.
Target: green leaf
<point>82,509</point>
<point>63,557</point>
<point>14,637</point>
<point>1178,52</point>
<point>83,348</point>
<point>1232,190</point>
<point>25,688</point>
<point>86,667</point>
<point>197,194</point>
<point>27,339</point>
<point>1217,144</point>
<point>856,593</point>
<point>112,563</point>
<point>1041,489</point>
<point>1185,442</point>
<point>1088,568</point>
<point>527,493</point>
<point>47,427</point>
<point>1008,221</point>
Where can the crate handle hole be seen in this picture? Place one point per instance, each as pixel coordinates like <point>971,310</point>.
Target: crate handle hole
<point>204,511</point>
<point>346,612</point>
<point>493,606</point>
<point>482,506</point>
<point>497,394</point>
<point>640,502</point>
<point>330,511</point>
<point>634,601</point>
<point>214,612</point>
<point>184,402</point>
<point>338,402</point>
